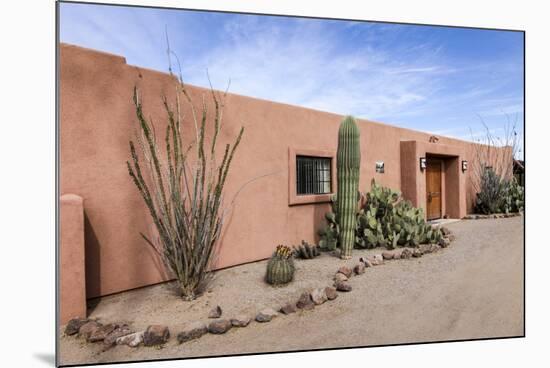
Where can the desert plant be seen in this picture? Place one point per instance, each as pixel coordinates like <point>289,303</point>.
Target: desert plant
<point>348,163</point>
<point>331,232</point>
<point>184,196</point>
<point>306,250</point>
<point>491,169</point>
<point>280,268</point>
<point>494,151</point>
<point>513,196</point>
<point>491,195</point>
<point>386,220</point>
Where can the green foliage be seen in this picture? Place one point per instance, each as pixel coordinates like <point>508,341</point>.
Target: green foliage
<point>490,198</point>
<point>513,196</point>
<point>184,198</point>
<point>348,164</point>
<point>385,220</point>
<point>331,232</point>
<point>498,195</point>
<point>280,268</point>
<point>306,250</point>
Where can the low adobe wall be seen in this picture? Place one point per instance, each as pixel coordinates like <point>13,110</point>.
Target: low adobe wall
<point>97,119</point>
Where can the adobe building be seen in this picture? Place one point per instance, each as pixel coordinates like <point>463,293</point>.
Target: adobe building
<point>286,159</point>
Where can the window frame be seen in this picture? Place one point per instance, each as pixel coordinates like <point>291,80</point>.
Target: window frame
<point>296,199</point>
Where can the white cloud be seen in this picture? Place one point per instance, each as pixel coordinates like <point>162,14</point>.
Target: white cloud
<point>305,66</point>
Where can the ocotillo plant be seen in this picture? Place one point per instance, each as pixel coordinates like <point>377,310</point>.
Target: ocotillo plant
<point>184,196</point>
<point>348,163</point>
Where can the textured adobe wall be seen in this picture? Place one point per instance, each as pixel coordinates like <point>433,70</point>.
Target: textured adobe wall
<point>72,280</point>
<point>97,119</point>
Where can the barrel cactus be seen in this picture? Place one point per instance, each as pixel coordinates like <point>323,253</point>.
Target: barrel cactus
<point>348,161</point>
<point>280,268</point>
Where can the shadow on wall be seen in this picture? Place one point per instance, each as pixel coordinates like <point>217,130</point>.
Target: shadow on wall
<point>92,259</point>
<point>319,222</point>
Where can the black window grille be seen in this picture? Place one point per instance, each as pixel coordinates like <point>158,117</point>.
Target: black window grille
<point>313,175</point>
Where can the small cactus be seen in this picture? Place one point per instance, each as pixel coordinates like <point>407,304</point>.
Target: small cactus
<point>306,250</point>
<point>280,268</point>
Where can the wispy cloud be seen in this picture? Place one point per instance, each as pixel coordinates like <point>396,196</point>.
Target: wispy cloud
<point>425,78</point>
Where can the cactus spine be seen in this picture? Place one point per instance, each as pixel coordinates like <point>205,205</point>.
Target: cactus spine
<point>348,163</point>
<point>280,268</point>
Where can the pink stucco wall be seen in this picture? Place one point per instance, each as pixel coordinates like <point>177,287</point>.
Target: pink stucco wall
<point>97,119</point>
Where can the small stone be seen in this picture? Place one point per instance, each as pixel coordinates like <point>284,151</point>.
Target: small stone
<point>359,269</point>
<point>346,271</point>
<point>444,242</point>
<point>216,312</point>
<point>435,248</point>
<point>396,254</point>
<point>366,262</point>
<point>240,320</point>
<point>406,253</point>
<point>219,326</point>
<point>343,286</point>
<point>305,302</point>
<point>289,308</point>
<point>192,331</point>
<point>318,296</point>
<point>100,333</point>
<point>131,340</point>
<point>331,293</point>
<point>445,230</point>
<point>87,329</point>
<point>156,335</point>
<point>74,325</point>
<point>417,253</point>
<point>377,259</point>
<point>120,331</point>
<point>425,248</point>
<point>266,315</point>
<point>387,255</point>
<point>340,277</point>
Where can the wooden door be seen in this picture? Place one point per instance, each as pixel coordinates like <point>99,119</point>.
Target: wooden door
<point>433,189</point>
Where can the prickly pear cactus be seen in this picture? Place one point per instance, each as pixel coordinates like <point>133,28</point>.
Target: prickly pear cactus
<point>331,232</point>
<point>306,250</point>
<point>348,162</point>
<point>280,268</point>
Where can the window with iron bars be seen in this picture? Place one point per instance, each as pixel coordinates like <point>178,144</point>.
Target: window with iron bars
<point>313,175</point>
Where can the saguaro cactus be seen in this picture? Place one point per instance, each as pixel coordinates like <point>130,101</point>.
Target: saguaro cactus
<point>348,162</point>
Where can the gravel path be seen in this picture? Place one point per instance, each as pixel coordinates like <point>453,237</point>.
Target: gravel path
<point>472,289</point>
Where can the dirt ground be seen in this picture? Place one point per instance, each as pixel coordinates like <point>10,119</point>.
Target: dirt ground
<point>472,289</point>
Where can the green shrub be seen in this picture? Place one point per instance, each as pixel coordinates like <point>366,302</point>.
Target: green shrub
<point>331,232</point>
<point>490,198</point>
<point>384,220</point>
<point>498,195</point>
<point>184,196</point>
<point>513,196</point>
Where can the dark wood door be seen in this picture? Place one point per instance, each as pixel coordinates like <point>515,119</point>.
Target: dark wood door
<point>433,189</point>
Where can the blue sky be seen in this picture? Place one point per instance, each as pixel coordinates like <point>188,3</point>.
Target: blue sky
<point>435,79</point>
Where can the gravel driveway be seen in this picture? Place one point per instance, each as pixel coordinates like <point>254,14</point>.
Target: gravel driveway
<point>472,289</point>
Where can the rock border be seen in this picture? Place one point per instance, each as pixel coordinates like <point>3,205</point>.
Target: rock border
<point>476,216</point>
<point>112,334</point>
